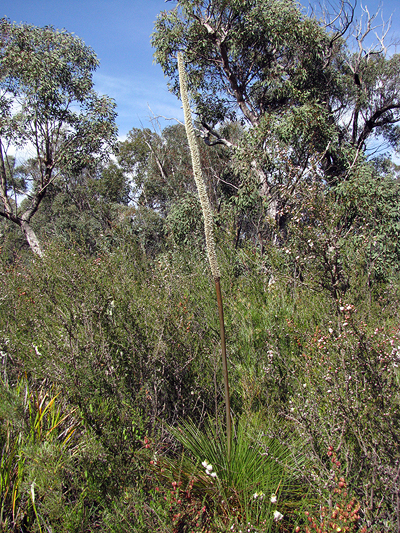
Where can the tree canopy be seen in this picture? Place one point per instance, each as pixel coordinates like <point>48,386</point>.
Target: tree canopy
<point>286,74</point>
<point>248,57</point>
<point>48,105</point>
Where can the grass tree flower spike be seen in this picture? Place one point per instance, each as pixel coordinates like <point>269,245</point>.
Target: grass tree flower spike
<point>198,175</point>
<point>208,229</point>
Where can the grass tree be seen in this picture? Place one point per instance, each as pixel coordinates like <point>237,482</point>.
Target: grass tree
<point>209,233</point>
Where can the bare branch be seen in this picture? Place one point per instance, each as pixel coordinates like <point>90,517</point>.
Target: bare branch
<point>219,140</point>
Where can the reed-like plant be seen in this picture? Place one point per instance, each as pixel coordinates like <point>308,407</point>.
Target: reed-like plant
<point>30,421</point>
<point>209,234</point>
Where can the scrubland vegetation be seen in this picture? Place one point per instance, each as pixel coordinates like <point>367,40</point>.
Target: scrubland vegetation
<point>111,389</point>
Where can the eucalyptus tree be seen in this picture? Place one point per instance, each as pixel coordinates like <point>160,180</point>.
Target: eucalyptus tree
<point>49,109</point>
<point>161,170</point>
<point>158,165</point>
<point>85,207</point>
<point>162,186</point>
<point>244,58</point>
<point>310,104</point>
<point>246,61</point>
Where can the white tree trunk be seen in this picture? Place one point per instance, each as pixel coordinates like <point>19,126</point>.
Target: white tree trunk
<point>33,241</point>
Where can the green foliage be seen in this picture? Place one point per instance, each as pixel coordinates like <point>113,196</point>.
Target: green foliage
<point>160,165</point>
<point>184,222</point>
<point>223,52</point>
<point>115,329</point>
<point>295,83</point>
<point>48,100</point>
<point>38,442</point>
<point>376,80</point>
<point>49,93</point>
<point>345,395</point>
<point>371,201</point>
<point>135,352</point>
<point>148,227</point>
<point>89,208</point>
<point>113,343</point>
<point>240,489</point>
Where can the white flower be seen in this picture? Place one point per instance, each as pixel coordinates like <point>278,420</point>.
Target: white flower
<point>33,491</point>
<point>209,468</point>
<point>204,463</point>
<point>278,516</point>
<point>330,331</point>
<point>36,349</point>
<point>274,499</point>
<point>255,495</point>
<point>213,474</point>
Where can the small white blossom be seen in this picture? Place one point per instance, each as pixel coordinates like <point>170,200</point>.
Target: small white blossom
<point>204,463</point>
<point>213,474</point>
<point>209,468</point>
<point>36,349</point>
<point>274,499</point>
<point>278,516</point>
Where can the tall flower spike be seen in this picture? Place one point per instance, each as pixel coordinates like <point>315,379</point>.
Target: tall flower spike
<point>208,229</point>
<point>198,175</point>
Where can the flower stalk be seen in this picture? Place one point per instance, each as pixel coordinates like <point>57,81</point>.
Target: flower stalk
<point>209,233</point>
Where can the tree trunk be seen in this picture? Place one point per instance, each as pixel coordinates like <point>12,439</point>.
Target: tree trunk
<point>30,235</point>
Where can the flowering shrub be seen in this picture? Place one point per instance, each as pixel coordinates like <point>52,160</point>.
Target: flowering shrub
<point>346,393</point>
<point>341,513</point>
<point>187,512</point>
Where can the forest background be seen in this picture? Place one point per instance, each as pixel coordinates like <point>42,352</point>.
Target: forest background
<point>112,397</point>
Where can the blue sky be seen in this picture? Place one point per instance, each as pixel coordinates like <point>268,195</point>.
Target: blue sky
<point>119,32</point>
